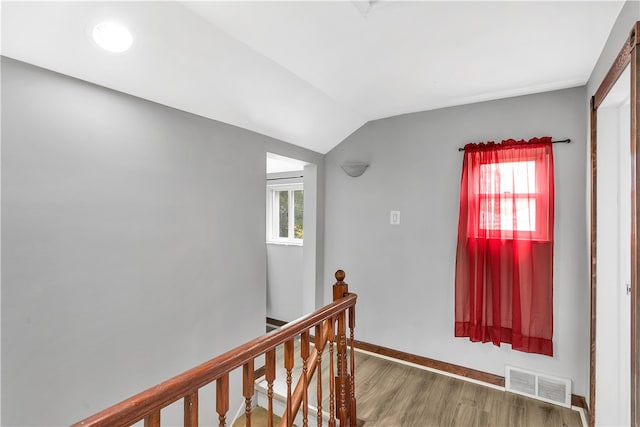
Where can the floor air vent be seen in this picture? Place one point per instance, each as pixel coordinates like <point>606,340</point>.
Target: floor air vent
<point>539,386</point>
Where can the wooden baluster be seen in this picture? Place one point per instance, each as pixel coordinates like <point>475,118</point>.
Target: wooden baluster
<point>222,399</point>
<point>288,366</point>
<point>332,397</point>
<point>352,377</point>
<point>340,289</point>
<point>342,370</point>
<point>270,375</point>
<point>248,387</point>
<point>304,353</point>
<point>319,346</point>
<point>153,419</point>
<point>191,410</point>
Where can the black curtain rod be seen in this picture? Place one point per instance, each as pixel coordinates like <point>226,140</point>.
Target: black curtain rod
<point>561,141</point>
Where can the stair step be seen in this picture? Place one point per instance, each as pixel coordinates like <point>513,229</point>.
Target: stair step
<point>258,418</point>
<point>280,402</point>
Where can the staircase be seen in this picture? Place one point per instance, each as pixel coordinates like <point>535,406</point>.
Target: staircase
<point>259,412</point>
<point>259,418</point>
<point>280,389</point>
<point>302,349</point>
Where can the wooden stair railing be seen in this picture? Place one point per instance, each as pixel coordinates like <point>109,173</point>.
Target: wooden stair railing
<point>343,383</point>
<point>329,326</point>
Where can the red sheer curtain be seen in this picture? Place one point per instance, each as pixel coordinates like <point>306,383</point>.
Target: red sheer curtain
<point>504,263</point>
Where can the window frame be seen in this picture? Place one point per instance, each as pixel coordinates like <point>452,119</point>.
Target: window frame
<point>539,233</point>
<point>273,218</point>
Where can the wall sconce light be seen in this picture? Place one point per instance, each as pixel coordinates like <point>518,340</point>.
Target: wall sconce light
<point>354,169</point>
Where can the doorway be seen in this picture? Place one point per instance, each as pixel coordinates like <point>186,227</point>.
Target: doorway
<point>291,196</point>
<point>614,395</point>
<point>613,274</point>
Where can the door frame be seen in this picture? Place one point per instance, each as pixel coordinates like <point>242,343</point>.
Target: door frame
<point>628,56</point>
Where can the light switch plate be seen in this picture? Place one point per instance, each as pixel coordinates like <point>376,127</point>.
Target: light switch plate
<point>394,218</point>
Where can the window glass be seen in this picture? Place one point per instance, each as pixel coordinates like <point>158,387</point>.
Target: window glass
<point>508,177</point>
<point>508,196</point>
<point>283,203</point>
<point>298,213</point>
<point>498,214</point>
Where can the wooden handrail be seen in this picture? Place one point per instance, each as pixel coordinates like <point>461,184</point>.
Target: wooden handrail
<point>150,401</point>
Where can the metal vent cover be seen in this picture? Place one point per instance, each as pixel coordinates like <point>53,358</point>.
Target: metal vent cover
<point>548,388</point>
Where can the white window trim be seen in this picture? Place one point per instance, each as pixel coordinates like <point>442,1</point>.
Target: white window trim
<point>273,220</point>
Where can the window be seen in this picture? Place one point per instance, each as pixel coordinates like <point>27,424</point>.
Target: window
<point>508,195</point>
<point>509,199</point>
<point>285,212</point>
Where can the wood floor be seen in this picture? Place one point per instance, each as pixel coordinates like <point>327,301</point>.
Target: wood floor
<point>391,394</point>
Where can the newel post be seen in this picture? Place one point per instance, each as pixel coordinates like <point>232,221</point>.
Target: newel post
<point>342,383</point>
<point>340,289</point>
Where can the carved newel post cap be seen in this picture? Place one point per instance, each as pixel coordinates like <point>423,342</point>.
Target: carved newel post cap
<point>340,289</point>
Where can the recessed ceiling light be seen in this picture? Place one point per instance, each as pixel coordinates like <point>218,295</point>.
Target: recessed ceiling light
<point>112,36</point>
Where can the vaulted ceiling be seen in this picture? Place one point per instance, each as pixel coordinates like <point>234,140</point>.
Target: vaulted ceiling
<point>311,73</point>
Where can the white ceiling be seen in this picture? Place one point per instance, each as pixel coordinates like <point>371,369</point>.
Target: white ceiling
<point>277,164</point>
<point>311,73</point>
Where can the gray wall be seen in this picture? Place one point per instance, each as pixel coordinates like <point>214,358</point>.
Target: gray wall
<point>284,281</point>
<point>133,244</point>
<point>628,16</point>
<point>404,274</point>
